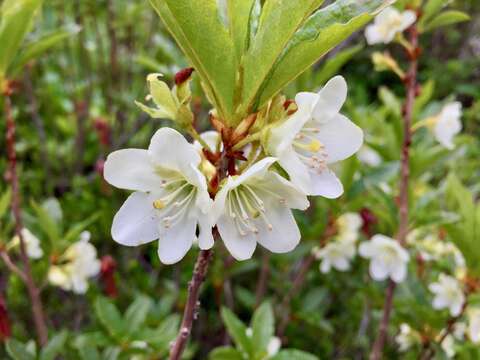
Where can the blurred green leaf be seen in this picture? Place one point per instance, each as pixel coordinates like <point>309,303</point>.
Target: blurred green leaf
<point>262,327</point>
<point>5,201</point>
<point>18,351</point>
<point>137,312</point>
<point>15,22</point>
<point>46,223</point>
<point>37,47</point>
<point>431,8</point>
<point>293,355</point>
<point>225,353</point>
<point>446,18</point>
<point>237,331</point>
<point>335,63</point>
<point>110,317</point>
<point>54,346</point>
<point>198,30</point>
<point>320,33</point>
<point>424,97</point>
<point>74,232</point>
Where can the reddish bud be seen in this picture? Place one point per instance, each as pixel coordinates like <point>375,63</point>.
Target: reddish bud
<point>99,165</point>
<point>107,275</point>
<point>369,220</point>
<point>5,328</point>
<point>103,131</point>
<point>183,75</point>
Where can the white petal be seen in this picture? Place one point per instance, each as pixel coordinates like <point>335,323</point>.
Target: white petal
<point>378,270</point>
<point>325,184</point>
<point>282,136</point>
<point>169,149</point>
<point>330,100</point>
<point>341,138</point>
<point>297,170</point>
<point>241,247</point>
<point>439,302</point>
<point>399,273</point>
<point>306,101</point>
<point>205,237</point>
<point>372,35</point>
<point>325,266</point>
<point>367,249</point>
<point>341,264</point>
<point>408,18</point>
<point>135,223</point>
<point>256,171</point>
<point>175,241</point>
<point>284,235</point>
<point>294,198</point>
<point>131,169</point>
<point>456,308</point>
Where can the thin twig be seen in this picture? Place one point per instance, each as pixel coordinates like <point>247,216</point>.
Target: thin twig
<point>191,308</point>
<point>11,265</point>
<point>33,291</point>
<point>411,89</point>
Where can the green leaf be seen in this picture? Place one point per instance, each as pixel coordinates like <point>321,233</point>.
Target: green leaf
<point>279,21</point>
<point>431,8</point>
<point>18,351</point>
<point>54,346</point>
<point>37,47</point>
<point>47,223</point>
<point>237,331</point>
<point>110,318</point>
<point>292,354</point>
<point>446,18</point>
<point>239,20</point>
<point>225,353</point>
<point>16,20</point>
<point>137,313</point>
<point>198,30</point>
<point>5,201</point>
<point>333,65</point>
<point>320,33</point>
<point>74,232</point>
<point>263,327</point>
<point>426,94</point>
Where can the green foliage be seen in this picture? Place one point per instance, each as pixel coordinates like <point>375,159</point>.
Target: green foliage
<point>446,18</point>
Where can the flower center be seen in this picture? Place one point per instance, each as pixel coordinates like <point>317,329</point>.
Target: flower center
<point>174,205</point>
<point>246,209</point>
<point>310,150</point>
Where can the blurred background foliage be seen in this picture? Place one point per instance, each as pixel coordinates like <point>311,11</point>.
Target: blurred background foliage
<point>74,105</point>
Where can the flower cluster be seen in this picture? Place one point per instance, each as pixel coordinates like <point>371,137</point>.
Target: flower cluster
<point>244,181</point>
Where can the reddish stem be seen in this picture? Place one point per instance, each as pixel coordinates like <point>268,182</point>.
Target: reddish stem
<point>411,89</point>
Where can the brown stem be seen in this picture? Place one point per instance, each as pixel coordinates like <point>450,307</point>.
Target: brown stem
<point>263,279</point>
<point>33,291</point>
<point>11,265</point>
<point>191,308</point>
<point>411,89</point>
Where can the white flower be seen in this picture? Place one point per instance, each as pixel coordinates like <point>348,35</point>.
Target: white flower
<point>387,24</point>
<point>255,207</point>
<point>447,124</point>
<point>368,156</point>
<point>170,199</point>
<point>76,266</point>
<point>273,346</point>
<point>448,294</point>
<point>32,244</point>
<point>448,346</point>
<point>407,337</point>
<point>336,254</point>
<point>315,136</point>
<point>388,258</point>
<point>349,225</point>
<point>474,324</point>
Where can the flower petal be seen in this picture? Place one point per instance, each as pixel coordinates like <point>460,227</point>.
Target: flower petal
<point>241,247</point>
<point>131,169</point>
<point>205,237</point>
<point>169,149</point>
<point>297,170</point>
<point>176,240</point>
<point>341,138</point>
<point>293,198</point>
<point>399,272</point>
<point>325,184</point>
<point>284,234</point>
<point>378,270</point>
<point>136,222</point>
<point>330,100</point>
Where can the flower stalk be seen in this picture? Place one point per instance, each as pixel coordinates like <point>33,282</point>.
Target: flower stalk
<point>27,278</point>
<point>411,90</point>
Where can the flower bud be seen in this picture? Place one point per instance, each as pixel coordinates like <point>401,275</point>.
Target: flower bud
<point>107,274</point>
<point>5,327</point>
<point>384,62</point>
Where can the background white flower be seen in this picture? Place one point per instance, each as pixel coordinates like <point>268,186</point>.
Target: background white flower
<point>170,199</point>
<point>76,266</point>
<point>474,324</point>
<point>336,254</point>
<point>448,124</point>
<point>368,156</point>
<point>387,24</point>
<point>315,136</point>
<point>32,244</point>
<point>387,258</point>
<point>348,227</point>
<point>448,294</point>
<point>255,207</point>
<point>407,337</point>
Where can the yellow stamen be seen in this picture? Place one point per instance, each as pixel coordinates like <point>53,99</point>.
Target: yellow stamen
<point>158,204</point>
